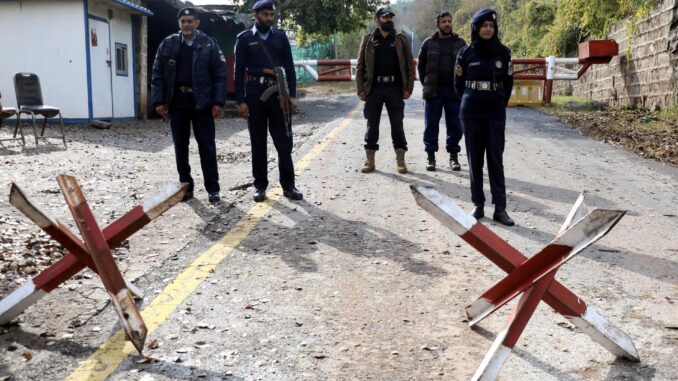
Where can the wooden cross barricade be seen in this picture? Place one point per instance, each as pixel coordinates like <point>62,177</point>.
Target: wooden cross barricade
<point>533,277</point>
<point>94,252</point>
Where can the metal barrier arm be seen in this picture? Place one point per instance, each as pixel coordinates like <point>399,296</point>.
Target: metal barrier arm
<point>551,68</point>
<point>533,276</point>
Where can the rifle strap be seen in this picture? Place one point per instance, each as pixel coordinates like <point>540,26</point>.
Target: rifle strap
<point>263,46</point>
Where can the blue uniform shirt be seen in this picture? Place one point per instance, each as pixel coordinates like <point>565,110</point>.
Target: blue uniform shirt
<point>250,57</point>
<point>498,70</point>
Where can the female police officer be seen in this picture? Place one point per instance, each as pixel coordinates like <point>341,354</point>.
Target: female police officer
<point>484,81</point>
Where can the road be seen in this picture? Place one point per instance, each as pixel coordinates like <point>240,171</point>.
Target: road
<point>355,282</point>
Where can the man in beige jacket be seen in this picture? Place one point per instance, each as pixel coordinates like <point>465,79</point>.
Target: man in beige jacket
<point>385,75</point>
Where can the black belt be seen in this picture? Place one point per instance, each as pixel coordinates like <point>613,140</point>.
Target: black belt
<point>386,79</point>
<point>185,89</point>
<point>262,79</point>
<point>484,85</point>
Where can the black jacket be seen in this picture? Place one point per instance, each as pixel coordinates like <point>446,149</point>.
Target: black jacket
<point>497,69</point>
<point>427,63</point>
<point>208,75</point>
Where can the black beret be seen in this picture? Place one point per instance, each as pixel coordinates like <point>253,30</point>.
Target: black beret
<point>484,15</point>
<point>263,4</point>
<point>187,11</point>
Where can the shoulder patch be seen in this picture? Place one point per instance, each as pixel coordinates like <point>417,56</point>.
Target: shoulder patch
<point>458,70</point>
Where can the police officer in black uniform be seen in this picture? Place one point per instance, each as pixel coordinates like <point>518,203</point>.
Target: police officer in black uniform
<point>254,50</point>
<point>189,85</point>
<point>484,81</point>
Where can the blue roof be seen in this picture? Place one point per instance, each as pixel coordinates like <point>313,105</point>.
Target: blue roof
<point>136,7</point>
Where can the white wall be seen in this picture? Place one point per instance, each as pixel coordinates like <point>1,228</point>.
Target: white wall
<point>121,32</point>
<point>46,38</point>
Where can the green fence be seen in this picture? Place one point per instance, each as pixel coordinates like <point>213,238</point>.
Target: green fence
<point>315,50</point>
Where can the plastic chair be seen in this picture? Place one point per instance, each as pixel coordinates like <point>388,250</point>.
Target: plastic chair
<point>8,112</point>
<point>29,101</point>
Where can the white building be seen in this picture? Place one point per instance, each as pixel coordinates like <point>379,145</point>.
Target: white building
<point>85,52</point>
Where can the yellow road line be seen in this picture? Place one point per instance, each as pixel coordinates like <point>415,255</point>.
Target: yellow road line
<point>111,353</point>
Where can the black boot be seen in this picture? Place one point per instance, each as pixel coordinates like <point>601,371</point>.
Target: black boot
<point>478,211</point>
<point>501,216</point>
<point>431,165</point>
<point>454,162</point>
<point>259,195</point>
<point>293,193</point>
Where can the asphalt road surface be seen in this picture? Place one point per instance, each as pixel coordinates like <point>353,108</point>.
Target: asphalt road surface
<point>355,282</point>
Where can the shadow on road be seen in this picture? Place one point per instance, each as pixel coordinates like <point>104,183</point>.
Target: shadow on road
<point>313,225</point>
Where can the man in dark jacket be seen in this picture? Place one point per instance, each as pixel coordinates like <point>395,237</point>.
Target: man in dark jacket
<point>385,75</point>
<point>189,85</point>
<point>435,66</point>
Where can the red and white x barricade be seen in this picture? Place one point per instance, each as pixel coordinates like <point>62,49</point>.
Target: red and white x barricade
<point>533,277</point>
<point>94,252</point>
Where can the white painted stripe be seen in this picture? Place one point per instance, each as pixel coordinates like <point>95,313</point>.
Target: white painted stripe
<point>477,310</point>
<point>606,334</point>
<point>136,291</point>
<point>444,209</point>
<point>566,61</point>
<point>578,211</point>
<point>16,302</point>
<point>494,359</point>
<point>311,71</point>
<point>588,230</point>
<point>158,203</point>
<point>18,198</point>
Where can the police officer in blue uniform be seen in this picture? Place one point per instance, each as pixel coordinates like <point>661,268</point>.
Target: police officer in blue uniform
<point>484,81</point>
<point>189,85</point>
<point>257,52</point>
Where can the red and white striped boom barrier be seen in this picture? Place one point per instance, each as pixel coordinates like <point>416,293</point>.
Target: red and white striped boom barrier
<point>93,253</point>
<point>543,69</point>
<point>334,73</point>
<point>533,277</point>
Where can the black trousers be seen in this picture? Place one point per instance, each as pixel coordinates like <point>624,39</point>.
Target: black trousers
<point>486,136</point>
<point>203,130</point>
<point>266,117</point>
<point>392,96</point>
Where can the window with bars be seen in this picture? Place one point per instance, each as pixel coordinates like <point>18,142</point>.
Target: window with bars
<point>121,65</point>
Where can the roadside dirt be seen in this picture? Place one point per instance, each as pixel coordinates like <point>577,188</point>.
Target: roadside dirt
<point>646,133</point>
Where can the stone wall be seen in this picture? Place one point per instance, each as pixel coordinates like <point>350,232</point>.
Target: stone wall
<point>649,79</point>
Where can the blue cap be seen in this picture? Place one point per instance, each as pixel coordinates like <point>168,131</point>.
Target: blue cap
<point>187,11</point>
<point>385,11</point>
<point>484,15</point>
<point>263,4</point>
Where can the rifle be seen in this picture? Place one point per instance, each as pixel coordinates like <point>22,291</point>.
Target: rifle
<point>280,87</point>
